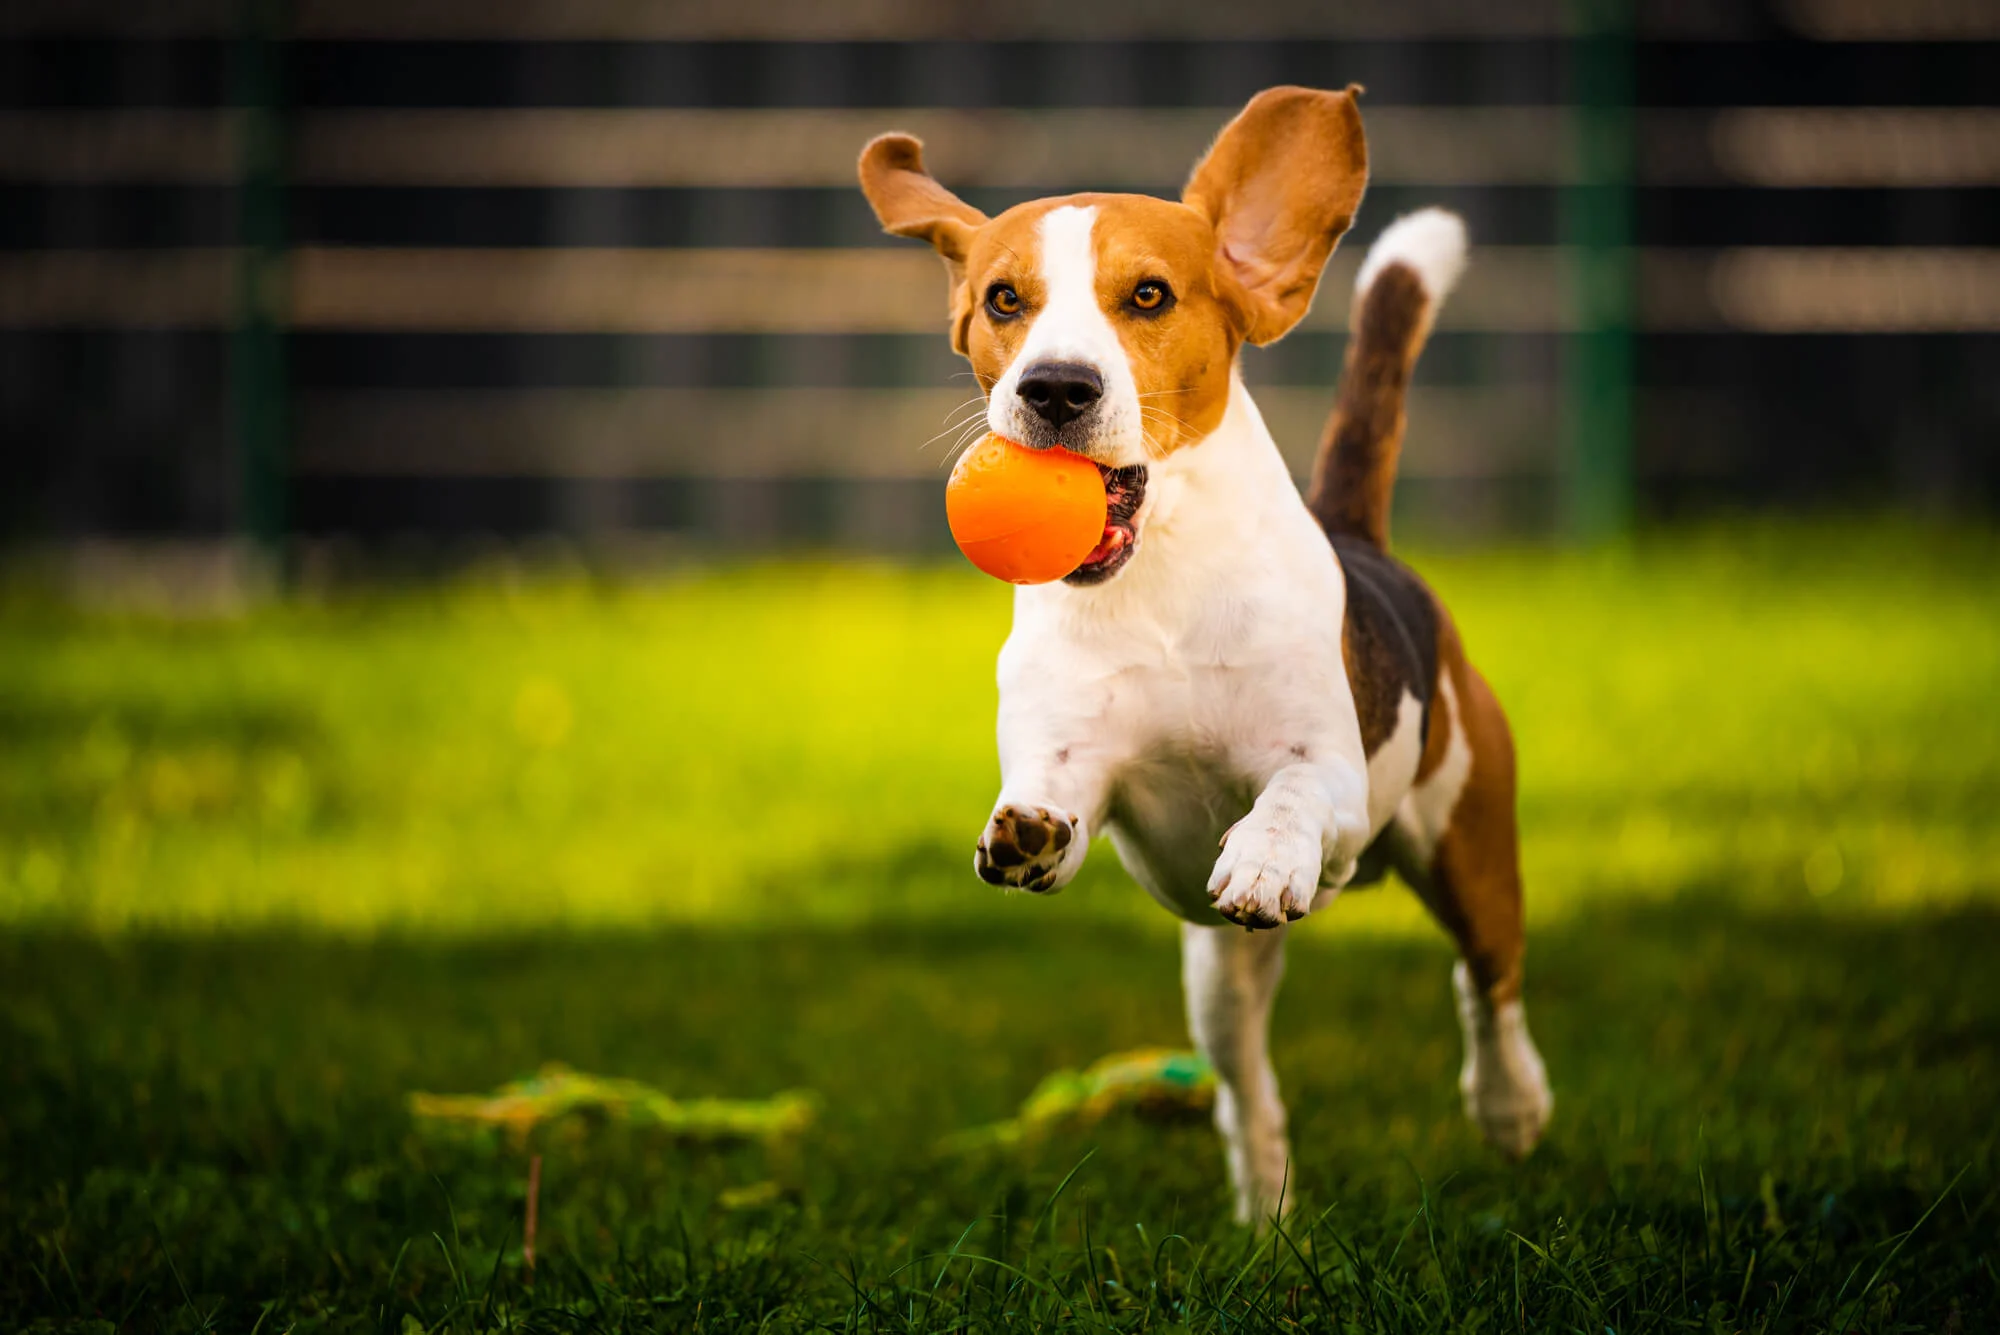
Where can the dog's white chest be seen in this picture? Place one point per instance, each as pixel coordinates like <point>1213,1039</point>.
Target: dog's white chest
<point>1189,720</point>
<point>1201,757</point>
<point>1170,810</point>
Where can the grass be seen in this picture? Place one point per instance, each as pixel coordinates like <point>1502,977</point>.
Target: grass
<point>261,877</point>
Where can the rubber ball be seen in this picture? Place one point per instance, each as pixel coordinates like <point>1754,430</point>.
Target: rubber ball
<point>1022,515</point>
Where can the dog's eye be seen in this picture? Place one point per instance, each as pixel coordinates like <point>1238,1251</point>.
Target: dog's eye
<point>1150,295</point>
<point>1003,301</point>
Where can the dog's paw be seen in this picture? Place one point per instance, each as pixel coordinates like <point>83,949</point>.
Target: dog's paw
<point>1267,875</point>
<point>1507,1096</point>
<point>1036,849</point>
<point>1503,1081</point>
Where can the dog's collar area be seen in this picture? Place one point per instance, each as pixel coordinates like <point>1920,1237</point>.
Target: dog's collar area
<point>1124,492</point>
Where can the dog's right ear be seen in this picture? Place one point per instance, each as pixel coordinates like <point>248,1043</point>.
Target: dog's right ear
<point>910,203</point>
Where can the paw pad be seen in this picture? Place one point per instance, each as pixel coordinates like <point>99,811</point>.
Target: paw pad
<point>1023,847</point>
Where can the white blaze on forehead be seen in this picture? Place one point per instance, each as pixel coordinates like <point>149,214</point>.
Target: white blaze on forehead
<point>1071,327</point>
<point>1069,269</point>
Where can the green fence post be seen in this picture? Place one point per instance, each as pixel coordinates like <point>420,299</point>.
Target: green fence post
<point>259,413</point>
<point>1601,278</point>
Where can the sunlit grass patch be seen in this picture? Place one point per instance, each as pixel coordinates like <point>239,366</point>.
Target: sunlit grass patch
<point>1789,711</point>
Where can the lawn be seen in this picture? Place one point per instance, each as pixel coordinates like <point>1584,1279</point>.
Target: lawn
<point>262,876</point>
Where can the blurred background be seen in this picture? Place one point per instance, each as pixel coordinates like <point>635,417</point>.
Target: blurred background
<point>364,277</point>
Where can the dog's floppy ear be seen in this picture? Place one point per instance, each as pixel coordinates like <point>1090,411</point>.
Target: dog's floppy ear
<point>1280,185</point>
<point>910,203</point>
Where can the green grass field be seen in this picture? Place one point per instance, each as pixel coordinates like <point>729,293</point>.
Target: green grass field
<point>263,876</point>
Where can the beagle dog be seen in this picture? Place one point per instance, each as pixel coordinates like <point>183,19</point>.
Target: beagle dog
<point>1235,667</point>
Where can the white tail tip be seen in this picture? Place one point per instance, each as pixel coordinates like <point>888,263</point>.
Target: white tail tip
<point>1430,241</point>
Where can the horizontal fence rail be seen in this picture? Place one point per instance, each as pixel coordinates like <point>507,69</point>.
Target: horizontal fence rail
<point>1455,432</point>
<point>697,146</point>
<point>1508,289</point>
<point>804,20</point>
<point>687,20</point>
<point>1143,149</point>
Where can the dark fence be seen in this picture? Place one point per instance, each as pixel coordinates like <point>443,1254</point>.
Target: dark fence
<point>437,267</point>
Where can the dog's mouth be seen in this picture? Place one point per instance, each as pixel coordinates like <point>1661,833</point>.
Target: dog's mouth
<point>1124,492</point>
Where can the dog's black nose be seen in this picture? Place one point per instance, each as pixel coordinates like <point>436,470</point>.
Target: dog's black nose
<point>1061,391</point>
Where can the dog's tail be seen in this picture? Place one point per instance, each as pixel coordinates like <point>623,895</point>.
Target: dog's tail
<point>1402,283</point>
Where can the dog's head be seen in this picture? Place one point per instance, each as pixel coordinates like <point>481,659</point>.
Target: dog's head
<point>1109,324</point>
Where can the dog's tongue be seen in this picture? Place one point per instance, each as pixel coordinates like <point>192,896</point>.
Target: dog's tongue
<point>1107,546</point>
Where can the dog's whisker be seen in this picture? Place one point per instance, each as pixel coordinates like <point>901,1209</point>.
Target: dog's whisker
<point>950,428</point>
<point>974,410</point>
<point>1167,422</point>
<point>1162,417</point>
<point>1156,411</point>
<point>972,404</point>
<point>967,435</point>
<point>953,450</point>
<point>958,408</point>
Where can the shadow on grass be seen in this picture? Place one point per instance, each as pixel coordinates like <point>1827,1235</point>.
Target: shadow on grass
<point>1751,1105</point>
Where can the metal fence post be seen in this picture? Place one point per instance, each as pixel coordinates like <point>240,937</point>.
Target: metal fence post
<point>259,411</point>
<point>1597,427</point>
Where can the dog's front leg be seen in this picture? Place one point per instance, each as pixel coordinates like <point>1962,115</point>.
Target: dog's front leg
<point>1305,830</point>
<point>1051,793</point>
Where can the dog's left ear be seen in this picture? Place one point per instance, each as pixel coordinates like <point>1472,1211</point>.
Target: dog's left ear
<point>1280,186</point>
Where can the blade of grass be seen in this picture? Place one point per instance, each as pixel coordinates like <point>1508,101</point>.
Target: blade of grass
<point>1056,1195</point>
<point>187,1301</point>
<point>389,1289</point>
<point>1904,1241</point>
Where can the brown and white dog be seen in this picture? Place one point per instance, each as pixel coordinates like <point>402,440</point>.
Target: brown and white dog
<point>1234,666</point>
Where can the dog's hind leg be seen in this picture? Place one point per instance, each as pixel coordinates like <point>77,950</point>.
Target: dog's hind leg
<point>1457,847</point>
<point>1230,977</point>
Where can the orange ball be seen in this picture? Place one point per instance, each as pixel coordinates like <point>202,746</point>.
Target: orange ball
<point>1025,516</point>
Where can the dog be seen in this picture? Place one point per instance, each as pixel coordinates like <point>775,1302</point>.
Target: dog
<point>1239,686</point>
